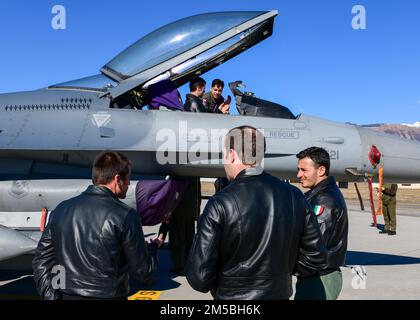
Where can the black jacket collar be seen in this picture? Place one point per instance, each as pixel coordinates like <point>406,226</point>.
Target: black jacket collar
<point>100,191</point>
<point>257,171</point>
<point>190,96</point>
<point>324,184</point>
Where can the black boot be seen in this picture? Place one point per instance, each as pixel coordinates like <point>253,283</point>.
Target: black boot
<point>392,233</point>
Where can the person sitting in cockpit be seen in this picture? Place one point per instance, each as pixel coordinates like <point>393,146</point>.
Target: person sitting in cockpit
<point>214,101</point>
<point>194,102</point>
<point>164,95</point>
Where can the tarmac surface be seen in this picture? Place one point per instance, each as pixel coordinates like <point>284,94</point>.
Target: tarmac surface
<point>379,266</point>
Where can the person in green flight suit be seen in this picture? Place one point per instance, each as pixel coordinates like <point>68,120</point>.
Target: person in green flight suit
<point>389,208</point>
<point>213,100</point>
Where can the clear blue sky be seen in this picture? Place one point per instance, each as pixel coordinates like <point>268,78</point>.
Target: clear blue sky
<point>314,63</point>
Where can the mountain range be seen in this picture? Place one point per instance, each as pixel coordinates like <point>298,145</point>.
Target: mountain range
<point>407,131</point>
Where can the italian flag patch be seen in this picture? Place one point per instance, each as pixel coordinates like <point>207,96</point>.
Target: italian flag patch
<point>319,210</point>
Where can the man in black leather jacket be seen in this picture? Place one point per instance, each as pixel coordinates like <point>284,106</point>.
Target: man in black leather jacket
<point>94,241</point>
<point>330,208</point>
<point>255,233</point>
<point>193,100</point>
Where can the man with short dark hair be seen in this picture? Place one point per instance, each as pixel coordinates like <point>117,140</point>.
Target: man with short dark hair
<point>255,233</point>
<point>330,208</point>
<point>214,101</point>
<point>193,100</point>
<point>96,239</point>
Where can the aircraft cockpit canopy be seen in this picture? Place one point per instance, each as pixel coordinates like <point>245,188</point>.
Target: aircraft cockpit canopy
<point>179,51</point>
<point>183,50</point>
<point>172,40</point>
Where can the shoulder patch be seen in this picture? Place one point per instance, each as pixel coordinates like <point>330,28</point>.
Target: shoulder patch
<point>319,210</point>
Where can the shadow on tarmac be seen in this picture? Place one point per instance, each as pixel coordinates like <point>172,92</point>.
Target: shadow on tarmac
<point>22,286</point>
<point>377,259</point>
<point>18,281</point>
<point>162,279</point>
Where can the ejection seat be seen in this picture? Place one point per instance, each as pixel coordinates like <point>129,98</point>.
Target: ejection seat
<point>249,105</point>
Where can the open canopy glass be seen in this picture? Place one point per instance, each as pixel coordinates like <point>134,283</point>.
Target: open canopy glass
<point>172,40</point>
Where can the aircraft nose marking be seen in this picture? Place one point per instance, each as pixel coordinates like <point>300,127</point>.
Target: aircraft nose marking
<point>19,189</point>
<point>101,119</point>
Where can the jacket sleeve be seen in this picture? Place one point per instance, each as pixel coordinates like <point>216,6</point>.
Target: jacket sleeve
<point>198,210</point>
<point>329,218</point>
<point>194,107</point>
<point>337,236</point>
<point>312,256</point>
<point>42,266</point>
<point>140,262</point>
<point>204,255</point>
<point>333,223</point>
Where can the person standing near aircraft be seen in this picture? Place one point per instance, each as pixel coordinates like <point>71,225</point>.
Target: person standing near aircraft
<point>255,233</point>
<point>214,101</point>
<point>182,229</point>
<point>330,208</point>
<point>95,239</point>
<point>180,225</point>
<point>389,208</point>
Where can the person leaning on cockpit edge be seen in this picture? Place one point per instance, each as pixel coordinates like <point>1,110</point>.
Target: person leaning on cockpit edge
<point>255,233</point>
<point>194,99</point>
<point>213,101</point>
<point>95,239</point>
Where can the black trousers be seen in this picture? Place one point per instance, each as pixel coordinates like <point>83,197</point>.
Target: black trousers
<point>182,229</point>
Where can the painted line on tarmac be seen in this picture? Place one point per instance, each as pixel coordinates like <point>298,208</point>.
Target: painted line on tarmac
<point>145,295</point>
